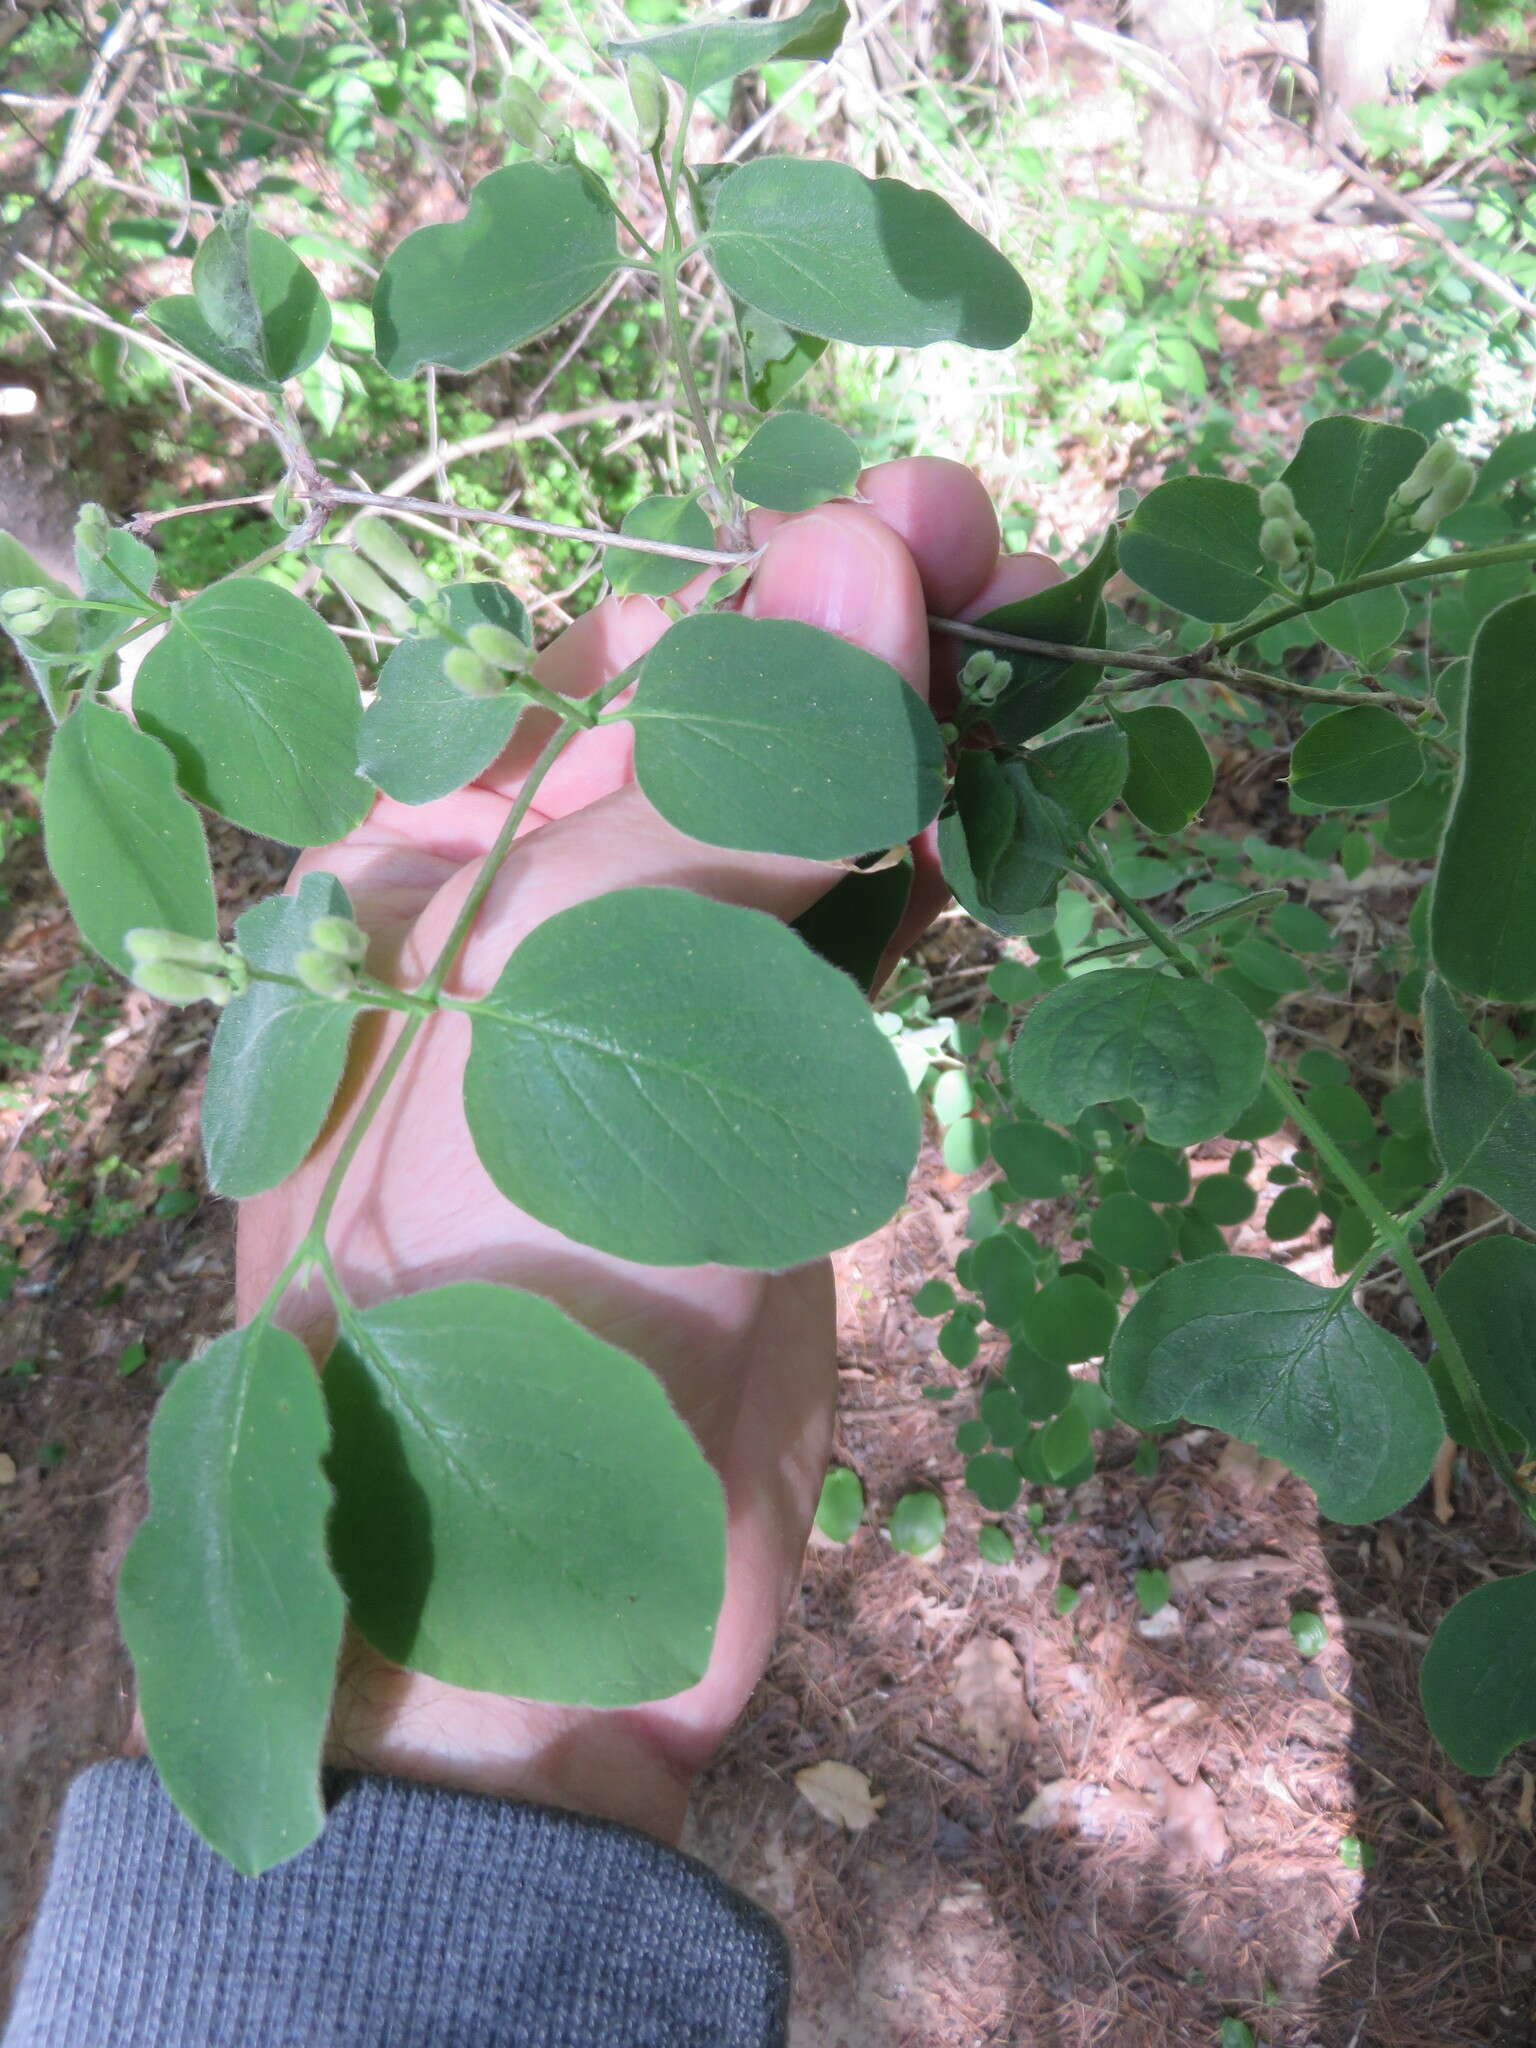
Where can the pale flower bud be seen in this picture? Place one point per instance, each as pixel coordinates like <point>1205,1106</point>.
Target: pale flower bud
<point>1448,496</point>
<point>172,981</point>
<point>28,609</point>
<point>149,942</point>
<point>339,936</point>
<point>1277,502</point>
<point>1432,467</point>
<point>499,647</point>
<point>1277,543</point>
<point>985,676</point>
<point>648,96</point>
<point>324,975</point>
<point>470,675</point>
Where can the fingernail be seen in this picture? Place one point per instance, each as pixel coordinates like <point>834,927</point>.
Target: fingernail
<point>826,571</point>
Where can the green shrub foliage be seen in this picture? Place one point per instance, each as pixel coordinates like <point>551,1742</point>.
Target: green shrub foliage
<point>677,1081</point>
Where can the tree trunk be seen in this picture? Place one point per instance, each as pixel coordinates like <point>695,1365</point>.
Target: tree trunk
<point>1365,51</point>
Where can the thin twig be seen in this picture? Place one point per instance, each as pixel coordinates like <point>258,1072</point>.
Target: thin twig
<point>712,558</point>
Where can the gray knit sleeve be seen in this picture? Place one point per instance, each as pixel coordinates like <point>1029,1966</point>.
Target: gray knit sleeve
<point>420,1919</point>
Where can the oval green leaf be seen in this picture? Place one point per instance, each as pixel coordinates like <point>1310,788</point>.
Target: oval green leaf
<point>256,699</point>
<point>867,260</point>
<point>775,737</point>
<point>257,317</point>
<point>841,1507</point>
<point>537,241</point>
<point>681,521</point>
<point>1484,1128</point>
<point>1170,773</point>
<point>1189,1054</point>
<point>1082,772</point>
<point>678,1082</point>
<point>518,1507</point>
<point>227,1601</point>
<point>917,1524</point>
<point>1478,1680</point>
<point>279,1052</point>
<point>1037,1162</point>
<point>1069,1321</point>
<point>1363,627</point>
<point>1343,476</point>
<point>1296,1370</point>
<point>796,460</point>
<point>1001,845</point>
<point>124,847</point>
<point>1129,1231</point>
<point>421,738</point>
<point>1193,543</point>
<point>717,50</point>
<point>1488,1293</point>
<point>1483,921</point>
<point>1353,759</point>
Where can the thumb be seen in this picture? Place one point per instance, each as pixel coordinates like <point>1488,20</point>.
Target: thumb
<point>843,569</point>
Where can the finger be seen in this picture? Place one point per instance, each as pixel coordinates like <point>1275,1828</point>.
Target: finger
<point>944,514</point>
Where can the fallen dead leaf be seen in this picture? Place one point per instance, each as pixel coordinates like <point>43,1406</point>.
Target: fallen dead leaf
<point>1093,1810</point>
<point>839,1793</point>
<point>1527,1800</point>
<point>1194,1830</point>
<point>1249,1475</point>
<point>1390,1551</point>
<point>1441,1474</point>
<point>1277,1788</point>
<point>1459,1826</point>
<point>1175,1711</point>
<point>7,1469</point>
<point>1196,1574</point>
<point>1157,1628</point>
<point>988,1690</point>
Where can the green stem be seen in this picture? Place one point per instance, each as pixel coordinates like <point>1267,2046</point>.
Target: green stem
<point>1375,579</point>
<point>668,261</point>
<point>1389,1231</point>
<point>313,1246</point>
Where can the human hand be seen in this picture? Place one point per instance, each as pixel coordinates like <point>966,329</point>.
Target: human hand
<point>747,1358</point>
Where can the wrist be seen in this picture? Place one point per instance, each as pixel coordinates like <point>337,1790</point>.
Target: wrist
<point>608,1764</point>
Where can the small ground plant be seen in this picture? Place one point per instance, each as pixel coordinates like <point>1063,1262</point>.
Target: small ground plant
<point>496,1496</point>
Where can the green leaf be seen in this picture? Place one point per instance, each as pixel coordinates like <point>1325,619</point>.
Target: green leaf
<point>1484,1129</point>
<point>698,58</point>
<point>1153,1591</point>
<point>1042,1386</point>
<point>421,738</point>
<point>1343,476</point>
<point>1365,626</point>
<point>1483,922</point>
<point>1001,1273</point>
<point>994,1545</point>
<point>1489,1296</point>
<point>796,460</point>
<point>1478,1679</point>
<point>1043,689</point>
<point>1170,774</point>
<point>1156,1175</point>
<point>994,1479</point>
<point>1000,843</point>
<point>279,1053</point>
<point>537,241</point>
<point>775,356</point>
<point>1296,1370</point>
<point>1082,772</point>
<point>867,260</point>
<point>1129,1231</point>
<point>775,737</point>
<point>1291,1214</point>
<point>1269,967</point>
<point>853,924</point>
<point>1069,1320</point>
<point>1193,543</point>
<point>1309,1632</point>
<point>518,1507</point>
<point>679,520</point>
<point>1037,1162</point>
<point>1352,759</point>
<point>256,699</point>
<point>1066,1443</point>
<point>934,1298</point>
<point>916,1526</point>
<point>1224,1199</point>
<point>227,1602</point>
<point>1189,1054</point>
<point>257,315</point>
<point>1301,928</point>
<point>841,1507</point>
<point>123,846</point>
<point>118,570</point>
<point>683,1082</point>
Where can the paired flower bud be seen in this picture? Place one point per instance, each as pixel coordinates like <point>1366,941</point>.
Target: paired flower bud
<point>27,609</point>
<point>174,967</point>
<point>1439,484</point>
<point>471,676</point>
<point>329,967</point>
<point>1284,536</point>
<point>985,676</point>
<point>648,97</point>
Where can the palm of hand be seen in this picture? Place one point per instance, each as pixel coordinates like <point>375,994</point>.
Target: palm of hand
<point>747,1357</point>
